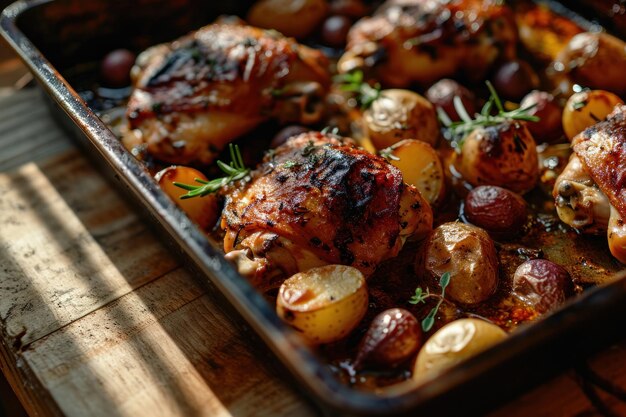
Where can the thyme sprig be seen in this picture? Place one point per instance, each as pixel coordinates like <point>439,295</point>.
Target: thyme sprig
<point>460,129</point>
<point>235,171</point>
<point>420,296</point>
<point>353,82</point>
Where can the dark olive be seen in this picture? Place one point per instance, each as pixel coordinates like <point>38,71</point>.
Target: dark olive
<point>393,337</point>
<point>499,211</point>
<point>335,31</point>
<point>550,127</point>
<point>115,67</point>
<point>286,133</point>
<point>542,284</point>
<point>514,79</point>
<point>442,94</point>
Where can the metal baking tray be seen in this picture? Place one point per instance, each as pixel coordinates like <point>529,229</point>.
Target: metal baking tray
<point>52,36</point>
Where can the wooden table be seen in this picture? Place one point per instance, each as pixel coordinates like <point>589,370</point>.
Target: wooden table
<point>98,319</point>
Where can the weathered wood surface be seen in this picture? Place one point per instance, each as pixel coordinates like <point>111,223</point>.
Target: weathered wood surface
<point>98,319</point>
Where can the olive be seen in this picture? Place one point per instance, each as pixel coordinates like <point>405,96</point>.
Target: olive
<point>115,67</point>
<point>442,94</point>
<point>393,337</point>
<point>286,133</point>
<point>514,79</point>
<point>542,284</point>
<point>549,127</point>
<point>499,211</point>
<point>335,31</point>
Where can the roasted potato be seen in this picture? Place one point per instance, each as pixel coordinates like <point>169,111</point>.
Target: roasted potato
<point>542,284</point>
<point>587,108</point>
<point>504,155</point>
<point>549,127</point>
<point>325,304</point>
<point>400,114</point>
<point>594,60</point>
<point>421,167</point>
<point>297,18</point>
<point>514,79</point>
<point>202,210</point>
<point>499,211</point>
<point>468,254</point>
<point>442,94</point>
<point>455,342</point>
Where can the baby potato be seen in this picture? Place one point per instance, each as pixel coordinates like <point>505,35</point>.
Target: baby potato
<point>468,254</point>
<point>297,18</point>
<point>587,108</point>
<point>454,343</point>
<point>401,114</point>
<point>594,60</point>
<point>202,210</point>
<point>504,155</point>
<point>325,304</point>
<point>421,167</point>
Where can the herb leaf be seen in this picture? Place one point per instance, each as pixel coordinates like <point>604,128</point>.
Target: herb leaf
<point>429,320</point>
<point>235,171</point>
<point>459,130</point>
<point>353,82</point>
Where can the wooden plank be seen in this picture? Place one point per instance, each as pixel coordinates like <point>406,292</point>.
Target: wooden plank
<point>64,247</point>
<point>165,349</point>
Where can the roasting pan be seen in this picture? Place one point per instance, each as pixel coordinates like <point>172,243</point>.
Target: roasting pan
<point>54,36</point>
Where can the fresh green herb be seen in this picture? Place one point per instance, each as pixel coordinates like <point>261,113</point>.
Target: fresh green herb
<point>234,172</point>
<point>420,296</point>
<point>290,164</point>
<point>459,130</point>
<point>353,82</point>
<point>579,105</point>
<point>387,153</point>
<point>330,130</point>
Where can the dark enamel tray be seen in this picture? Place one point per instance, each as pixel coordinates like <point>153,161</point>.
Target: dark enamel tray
<point>52,36</point>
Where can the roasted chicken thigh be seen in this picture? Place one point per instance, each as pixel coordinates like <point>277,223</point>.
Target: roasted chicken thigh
<point>193,96</point>
<point>320,200</point>
<point>591,191</point>
<point>423,41</point>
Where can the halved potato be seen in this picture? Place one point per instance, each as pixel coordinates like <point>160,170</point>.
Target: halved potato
<point>202,210</point>
<point>421,167</point>
<point>455,342</point>
<point>587,108</point>
<point>325,304</point>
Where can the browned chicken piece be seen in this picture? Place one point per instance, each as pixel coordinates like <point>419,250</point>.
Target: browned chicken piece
<point>320,200</point>
<point>423,41</point>
<point>196,94</point>
<point>601,187</point>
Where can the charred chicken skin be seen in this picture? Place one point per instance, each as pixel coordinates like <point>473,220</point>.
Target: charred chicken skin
<point>423,41</point>
<point>193,96</point>
<point>591,191</point>
<point>320,200</point>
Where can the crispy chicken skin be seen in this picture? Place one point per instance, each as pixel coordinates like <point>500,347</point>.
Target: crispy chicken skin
<point>193,96</point>
<point>320,200</point>
<point>602,151</point>
<point>423,41</point>
<point>590,194</point>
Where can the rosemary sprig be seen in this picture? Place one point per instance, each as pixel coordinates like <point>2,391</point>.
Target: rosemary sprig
<point>459,130</point>
<point>387,153</point>
<point>234,172</point>
<point>353,82</point>
<point>420,296</point>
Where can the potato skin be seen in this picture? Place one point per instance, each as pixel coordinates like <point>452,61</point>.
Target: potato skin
<point>549,128</point>
<point>504,155</point>
<point>291,18</point>
<point>401,114</point>
<point>594,60</point>
<point>468,254</point>
<point>542,284</point>
<point>454,343</point>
